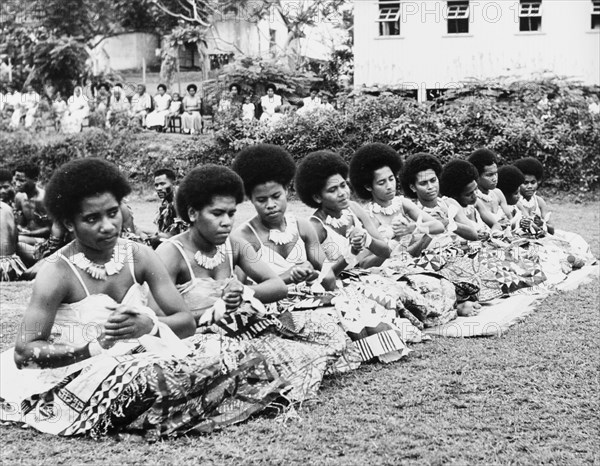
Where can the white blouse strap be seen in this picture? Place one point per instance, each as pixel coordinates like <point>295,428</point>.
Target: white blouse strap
<point>179,247</point>
<point>229,252</point>
<point>76,272</point>
<point>130,259</point>
<point>254,231</point>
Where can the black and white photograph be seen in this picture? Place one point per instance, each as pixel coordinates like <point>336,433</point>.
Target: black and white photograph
<point>291,232</point>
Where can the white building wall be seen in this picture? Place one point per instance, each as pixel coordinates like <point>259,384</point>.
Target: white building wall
<point>126,51</point>
<point>424,56</point>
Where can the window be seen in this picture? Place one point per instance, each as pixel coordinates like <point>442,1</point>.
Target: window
<point>272,40</point>
<point>219,60</point>
<point>389,18</point>
<point>595,14</point>
<point>458,17</point>
<point>530,15</point>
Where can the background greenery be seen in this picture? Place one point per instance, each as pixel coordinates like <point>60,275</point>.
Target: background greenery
<point>547,119</point>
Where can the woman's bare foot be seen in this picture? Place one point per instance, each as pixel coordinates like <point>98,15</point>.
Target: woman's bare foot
<point>468,309</point>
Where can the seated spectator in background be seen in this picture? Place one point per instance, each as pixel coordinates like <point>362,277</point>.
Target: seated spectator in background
<point>235,95</point>
<point>224,102</point>
<point>118,106</point>
<point>175,108</point>
<point>325,103</point>
<point>533,207</point>
<point>59,108</point>
<point>32,220</point>
<point>27,107</point>
<point>102,98</point>
<point>269,103</point>
<point>486,163</point>
<point>141,104</point>
<point>310,103</point>
<point>78,110</point>
<point>11,266</point>
<point>231,101</point>
<point>168,222</point>
<point>157,118</point>
<point>7,192</point>
<point>191,119</point>
<point>248,109</point>
<point>12,99</point>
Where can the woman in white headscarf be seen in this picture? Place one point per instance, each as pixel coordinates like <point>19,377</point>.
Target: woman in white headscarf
<point>78,110</point>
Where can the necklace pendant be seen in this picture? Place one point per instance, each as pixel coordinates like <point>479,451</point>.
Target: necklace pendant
<point>342,221</point>
<point>210,262</point>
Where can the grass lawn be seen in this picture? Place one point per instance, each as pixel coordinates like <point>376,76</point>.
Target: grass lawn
<point>529,397</point>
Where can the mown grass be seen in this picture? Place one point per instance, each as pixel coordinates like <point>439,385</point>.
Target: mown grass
<point>528,397</point>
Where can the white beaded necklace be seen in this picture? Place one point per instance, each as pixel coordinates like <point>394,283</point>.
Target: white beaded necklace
<point>100,271</point>
<point>388,211</point>
<point>210,262</point>
<point>342,221</point>
<point>287,235</point>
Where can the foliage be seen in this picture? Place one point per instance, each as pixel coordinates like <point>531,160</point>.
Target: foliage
<point>255,73</point>
<point>60,61</point>
<point>562,133</point>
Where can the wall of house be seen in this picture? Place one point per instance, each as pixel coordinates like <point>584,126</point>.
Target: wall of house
<point>424,56</point>
<point>126,52</point>
<point>238,35</point>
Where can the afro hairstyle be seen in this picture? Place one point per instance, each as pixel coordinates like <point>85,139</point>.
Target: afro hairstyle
<point>261,163</point>
<point>203,183</point>
<point>271,86</point>
<point>366,160</point>
<point>30,170</point>
<point>313,173</point>
<point>74,181</point>
<point>170,174</point>
<point>5,175</point>
<point>456,175</point>
<point>509,179</point>
<point>531,166</point>
<point>414,165</point>
<point>482,158</point>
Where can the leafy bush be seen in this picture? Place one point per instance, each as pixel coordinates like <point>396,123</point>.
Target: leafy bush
<point>515,121</point>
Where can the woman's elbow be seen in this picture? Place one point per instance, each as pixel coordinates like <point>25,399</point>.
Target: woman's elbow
<point>437,227</point>
<point>21,359</point>
<point>189,326</point>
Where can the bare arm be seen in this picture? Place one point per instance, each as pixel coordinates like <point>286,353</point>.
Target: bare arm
<point>487,216</point>
<point>32,349</point>
<point>269,287</point>
<point>503,204</point>
<point>378,245</point>
<point>435,226</point>
<point>464,227</point>
<point>544,212</point>
<point>154,272</point>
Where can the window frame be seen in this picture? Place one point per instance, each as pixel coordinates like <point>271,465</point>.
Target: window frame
<point>458,16</point>
<point>530,14</point>
<point>595,16</point>
<point>388,18</point>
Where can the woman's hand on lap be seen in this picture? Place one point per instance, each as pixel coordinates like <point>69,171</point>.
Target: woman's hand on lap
<point>125,323</point>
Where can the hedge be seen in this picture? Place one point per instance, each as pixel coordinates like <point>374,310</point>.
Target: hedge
<point>549,120</point>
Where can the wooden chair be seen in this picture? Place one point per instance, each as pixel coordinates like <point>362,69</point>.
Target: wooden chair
<point>175,124</point>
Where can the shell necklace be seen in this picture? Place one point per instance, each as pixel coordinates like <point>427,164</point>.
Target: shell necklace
<point>392,209</point>
<point>210,262</point>
<point>287,235</point>
<point>342,221</point>
<point>100,271</point>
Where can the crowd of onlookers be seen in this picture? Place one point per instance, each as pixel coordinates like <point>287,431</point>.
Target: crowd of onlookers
<point>113,106</point>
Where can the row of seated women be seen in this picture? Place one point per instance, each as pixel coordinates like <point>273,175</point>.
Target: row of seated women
<point>220,324</point>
